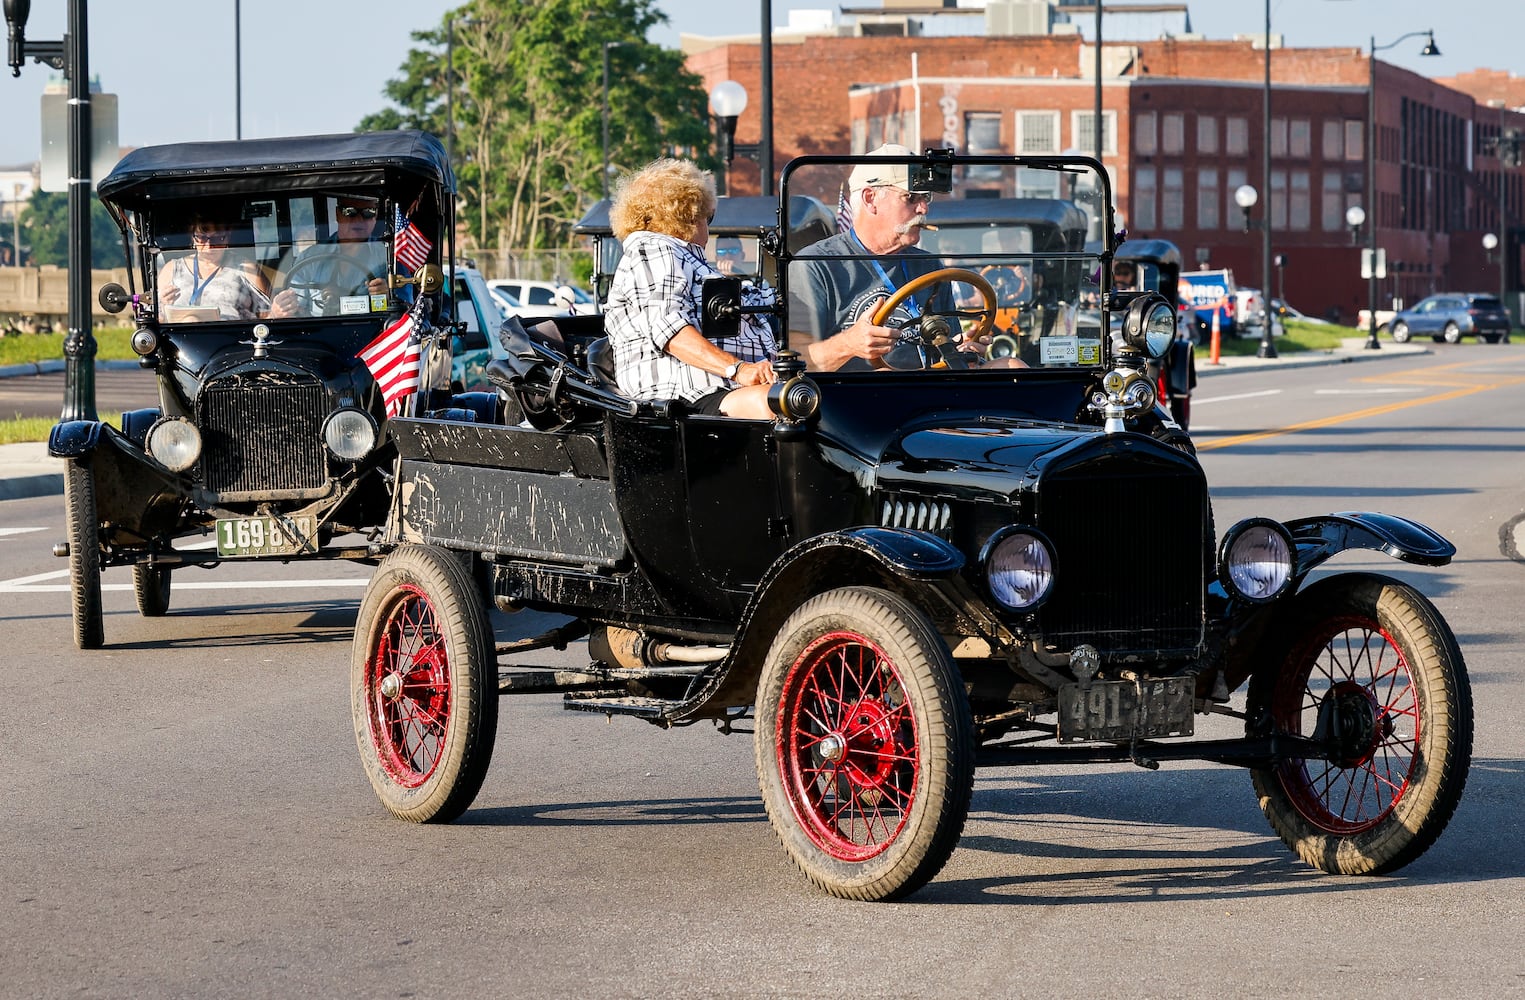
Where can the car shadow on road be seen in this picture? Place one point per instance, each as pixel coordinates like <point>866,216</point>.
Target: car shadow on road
<point>231,626</point>
<point>621,812</point>
<point>1212,843</point>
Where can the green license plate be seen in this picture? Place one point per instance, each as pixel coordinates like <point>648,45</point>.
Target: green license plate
<point>265,536</point>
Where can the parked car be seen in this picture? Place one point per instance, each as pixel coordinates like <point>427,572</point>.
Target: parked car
<point>1451,316</point>
<point>540,296</point>
<point>479,317</point>
<point>905,575</point>
<point>268,437</point>
<point>1286,312</point>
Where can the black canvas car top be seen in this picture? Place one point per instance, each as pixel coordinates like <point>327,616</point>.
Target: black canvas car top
<point>252,166</point>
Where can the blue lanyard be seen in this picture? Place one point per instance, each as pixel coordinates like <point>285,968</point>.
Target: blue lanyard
<point>197,285</point>
<point>909,305</point>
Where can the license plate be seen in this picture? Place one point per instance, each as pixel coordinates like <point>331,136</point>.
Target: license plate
<point>1123,710</point>
<point>264,536</point>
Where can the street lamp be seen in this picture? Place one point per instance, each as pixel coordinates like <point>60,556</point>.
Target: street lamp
<point>1490,244</point>
<point>1246,197</point>
<point>1355,215</point>
<point>70,56</point>
<point>604,177</point>
<point>1267,349</point>
<point>1371,168</point>
<point>728,100</point>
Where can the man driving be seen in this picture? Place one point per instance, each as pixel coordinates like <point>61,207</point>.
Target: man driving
<point>341,273</point>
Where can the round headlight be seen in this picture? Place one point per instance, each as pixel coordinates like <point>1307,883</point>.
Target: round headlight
<point>1150,325</point>
<point>175,443</point>
<point>1019,568</point>
<point>1257,560</point>
<point>349,434</point>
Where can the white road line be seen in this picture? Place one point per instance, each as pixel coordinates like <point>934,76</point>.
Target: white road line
<point>1242,395</point>
<point>34,584</point>
<point>18,531</point>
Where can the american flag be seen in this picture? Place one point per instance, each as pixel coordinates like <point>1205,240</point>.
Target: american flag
<point>393,360</point>
<point>412,245</point>
<point>844,211</point>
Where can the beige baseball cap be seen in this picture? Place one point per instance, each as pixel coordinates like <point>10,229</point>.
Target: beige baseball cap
<point>882,174</point>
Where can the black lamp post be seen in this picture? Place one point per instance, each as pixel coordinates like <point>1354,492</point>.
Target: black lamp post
<point>728,99</point>
<point>1267,348</point>
<point>69,56</point>
<point>1371,169</point>
<point>1246,197</point>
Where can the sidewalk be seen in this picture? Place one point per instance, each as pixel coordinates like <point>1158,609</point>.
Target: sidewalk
<point>27,471</point>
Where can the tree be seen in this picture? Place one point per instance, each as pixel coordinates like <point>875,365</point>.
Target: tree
<point>528,108</point>
<point>45,227</point>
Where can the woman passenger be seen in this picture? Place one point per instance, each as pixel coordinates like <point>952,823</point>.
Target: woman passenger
<point>206,278</point>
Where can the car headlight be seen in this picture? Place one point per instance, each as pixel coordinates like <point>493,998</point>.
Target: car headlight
<point>350,434</point>
<point>1150,324</point>
<point>175,443</point>
<point>1019,568</point>
<point>1257,560</point>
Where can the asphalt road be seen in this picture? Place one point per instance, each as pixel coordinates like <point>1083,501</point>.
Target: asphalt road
<point>43,395</point>
<point>188,816</point>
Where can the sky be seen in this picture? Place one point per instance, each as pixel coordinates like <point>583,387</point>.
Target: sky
<point>315,66</point>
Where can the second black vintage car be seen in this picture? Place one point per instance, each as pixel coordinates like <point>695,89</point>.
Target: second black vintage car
<point>262,271</point>
<point>906,575</point>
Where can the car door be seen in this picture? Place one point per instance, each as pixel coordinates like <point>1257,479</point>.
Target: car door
<point>1425,317</point>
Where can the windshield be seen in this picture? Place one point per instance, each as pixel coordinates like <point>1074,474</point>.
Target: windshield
<point>1021,239</point>
<point>280,257</point>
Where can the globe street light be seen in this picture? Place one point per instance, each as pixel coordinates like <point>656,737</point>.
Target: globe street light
<point>1355,215</point>
<point>1371,167</point>
<point>1490,244</point>
<point>728,100</point>
<point>1245,196</point>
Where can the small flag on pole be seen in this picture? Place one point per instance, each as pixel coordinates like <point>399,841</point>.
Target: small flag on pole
<point>393,360</point>
<point>844,211</point>
<point>412,245</point>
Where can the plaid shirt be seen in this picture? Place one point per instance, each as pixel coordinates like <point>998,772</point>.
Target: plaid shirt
<point>656,293</point>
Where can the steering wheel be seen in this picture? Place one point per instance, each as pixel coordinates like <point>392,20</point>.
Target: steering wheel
<point>946,275</point>
<point>339,259</point>
<point>1009,282</point>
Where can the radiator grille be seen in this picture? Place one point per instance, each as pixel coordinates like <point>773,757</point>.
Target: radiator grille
<point>263,435</point>
<point>1139,588</point>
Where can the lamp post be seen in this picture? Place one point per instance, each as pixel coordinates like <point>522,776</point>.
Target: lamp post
<point>1267,349</point>
<point>1355,215</point>
<point>604,176</point>
<point>1371,168</point>
<point>1246,197</point>
<point>71,57</point>
<point>728,100</point>
<point>238,71</point>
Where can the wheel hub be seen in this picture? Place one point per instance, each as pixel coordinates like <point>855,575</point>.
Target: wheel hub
<point>391,686</point>
<point>833,748</point>
<point>1351,723</point>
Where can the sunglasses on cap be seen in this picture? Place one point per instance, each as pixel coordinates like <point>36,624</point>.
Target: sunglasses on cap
<point>350,212</point>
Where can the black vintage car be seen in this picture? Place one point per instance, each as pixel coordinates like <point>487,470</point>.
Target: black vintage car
<point>904,576</point>
<point>261,270</point>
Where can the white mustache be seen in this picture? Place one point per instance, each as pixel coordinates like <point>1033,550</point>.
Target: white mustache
<point>917,222</point>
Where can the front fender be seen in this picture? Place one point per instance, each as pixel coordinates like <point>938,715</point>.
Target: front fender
<point>74,438</point>
<point>917,564</point>
<point>1318,538</point>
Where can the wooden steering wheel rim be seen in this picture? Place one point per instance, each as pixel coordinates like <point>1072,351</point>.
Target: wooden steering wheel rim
<point>987,317</point>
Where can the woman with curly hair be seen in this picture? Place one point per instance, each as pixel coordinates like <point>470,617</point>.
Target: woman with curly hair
<point>661,215</point>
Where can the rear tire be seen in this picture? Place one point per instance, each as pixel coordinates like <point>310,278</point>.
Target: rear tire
<point>1371,659</point>
<point>151,585</point>
<point>84,553</point>
<point>423,685</point>
<point>1400,333</point>
<point>865,744</point>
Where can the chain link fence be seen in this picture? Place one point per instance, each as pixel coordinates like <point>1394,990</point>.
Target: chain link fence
<point>565,267</point>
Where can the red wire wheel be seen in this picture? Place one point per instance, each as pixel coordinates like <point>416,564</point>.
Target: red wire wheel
<point>848,748</point>
<point>407,689</point>
<point>1373,672</point>
<point>865,746</point>
<point>423,685</point>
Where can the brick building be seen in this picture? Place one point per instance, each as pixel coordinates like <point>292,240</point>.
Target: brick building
<point>1182,129</point>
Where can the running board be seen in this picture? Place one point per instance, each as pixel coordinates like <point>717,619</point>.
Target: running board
<point>532,680</point>
<point>612,703</point>
<point>1256,753</point>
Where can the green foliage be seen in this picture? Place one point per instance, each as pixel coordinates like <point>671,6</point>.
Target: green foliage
<point>111,344</point>
<point>19,430</point>
<point>45,227</point>
<point>528,109</point>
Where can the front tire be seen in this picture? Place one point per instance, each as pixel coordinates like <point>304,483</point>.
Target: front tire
<point>1451,334</point>
<point>1400,333</point>
<point>865,744</point>
<point>84,554</point>
<point>1372,661</point>
<point>151,586</point>
<point>423,685</point>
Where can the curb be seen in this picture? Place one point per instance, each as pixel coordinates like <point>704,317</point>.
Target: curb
<point>27,487</point>
<point>58,365</point>
<point>1307,359</point>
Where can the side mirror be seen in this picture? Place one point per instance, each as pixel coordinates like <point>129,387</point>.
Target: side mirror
<point>113,298</point>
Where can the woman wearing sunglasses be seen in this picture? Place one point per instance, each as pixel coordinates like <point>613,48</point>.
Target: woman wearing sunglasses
<point>207,279</point>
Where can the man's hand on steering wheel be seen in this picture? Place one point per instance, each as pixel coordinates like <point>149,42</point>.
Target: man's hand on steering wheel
<point>933,325</point>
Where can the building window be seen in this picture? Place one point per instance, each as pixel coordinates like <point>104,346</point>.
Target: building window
<point>1173,199</point>
<point>1300,138</point>
<point>1143,199</point>
<point>1334,140</point>
<point>1300,213</point>
<point>1332,201</point>
<point>1083,128</point>
<point>1173,133</point>
<point>1207,198</point>
<point>875,133</point>
<point>1145,141</point>
<point>1037,131</point>
<point>1278,199</point>
<point>860,137</point>
<point>1354,148</point>
<point>1236,136</point>
<point>982,137</point>
<point>1278,137</point>
<point>1207,134</point>
<point>1235,179</point>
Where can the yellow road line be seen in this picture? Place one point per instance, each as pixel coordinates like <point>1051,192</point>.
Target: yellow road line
<point>1374,411</point>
